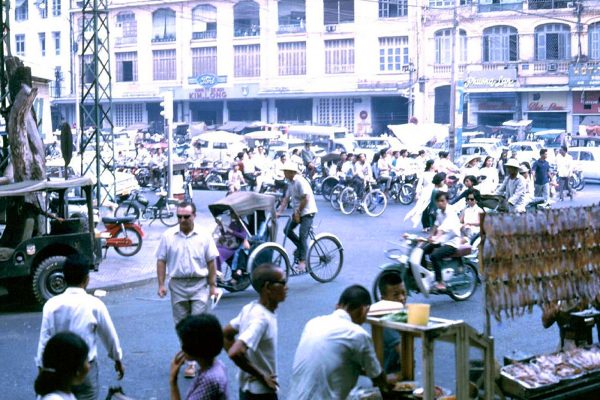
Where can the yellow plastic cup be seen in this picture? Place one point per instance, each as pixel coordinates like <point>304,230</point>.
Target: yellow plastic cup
<point>418,314</point>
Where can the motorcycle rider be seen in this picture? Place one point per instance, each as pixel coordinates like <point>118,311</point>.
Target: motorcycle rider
<point>363,174</point>
<point>444,164</point>
<point>278,175</point>
<point>514,187</point>
<point>444,240</point>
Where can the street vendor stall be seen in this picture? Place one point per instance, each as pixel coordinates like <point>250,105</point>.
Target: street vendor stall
<point>545,258</point>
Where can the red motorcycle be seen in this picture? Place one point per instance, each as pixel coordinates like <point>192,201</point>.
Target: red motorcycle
<point>123,234</point>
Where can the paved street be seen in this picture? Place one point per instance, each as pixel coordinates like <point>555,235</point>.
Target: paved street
<point>146,329</point>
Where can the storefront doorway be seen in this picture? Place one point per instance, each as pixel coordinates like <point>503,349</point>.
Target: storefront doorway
<point>389,110</point>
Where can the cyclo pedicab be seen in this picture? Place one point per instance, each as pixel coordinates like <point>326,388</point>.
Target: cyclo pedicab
<point>246,236</point>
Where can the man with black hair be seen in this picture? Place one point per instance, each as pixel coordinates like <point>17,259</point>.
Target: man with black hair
<point>334,350</point>
<point>391,288</point>
<point>78,312</point>
<point>445,238</point>
<point>187,255</point>
<point>254,348</point>
<point>201,339</point>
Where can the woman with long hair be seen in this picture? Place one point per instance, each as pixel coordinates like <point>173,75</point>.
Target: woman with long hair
<point>490,172</point>
<point>424,210</point>
<point>64,365</point>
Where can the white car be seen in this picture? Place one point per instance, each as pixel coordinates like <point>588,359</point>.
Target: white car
<point>588,160</point>
<point>529,151</point>
<point>483,150</point>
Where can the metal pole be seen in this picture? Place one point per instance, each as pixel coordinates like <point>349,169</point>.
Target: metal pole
<point>411,90</point>
<point>453,74</point>
<point>169,159</point>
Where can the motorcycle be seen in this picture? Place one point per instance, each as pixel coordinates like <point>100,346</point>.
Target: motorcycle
<point>217,177</point>
<point>459,272</point>
<point>123,234</point>
<point>577,181</point>
<point>404,188</point>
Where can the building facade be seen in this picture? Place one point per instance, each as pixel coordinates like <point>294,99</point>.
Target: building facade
<point>341,62</point>
<point>532,59</point>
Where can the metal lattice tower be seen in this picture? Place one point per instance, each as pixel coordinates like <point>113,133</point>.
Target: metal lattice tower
<point>96,98</point>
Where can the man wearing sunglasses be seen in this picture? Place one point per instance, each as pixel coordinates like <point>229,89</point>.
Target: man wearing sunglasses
<point>251,337</point>
<point>187,254</point>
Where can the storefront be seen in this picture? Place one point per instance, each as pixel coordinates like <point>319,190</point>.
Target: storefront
<point>586,110</point>
<point>492,96</point>
<point>547,110</point>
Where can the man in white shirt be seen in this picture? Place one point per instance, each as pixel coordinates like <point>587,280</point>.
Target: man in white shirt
<point>305,209</point>
<point>334,350</point>
<point>187,255</point>
<point>445,238</point>
<point>254,350</point>
<point>85,315</point>
<point>564,169</point>
<point>514,187</point>
<point>362,174</point>
<point>443,164</point>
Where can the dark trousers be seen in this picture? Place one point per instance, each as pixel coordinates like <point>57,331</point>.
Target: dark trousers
<point>300,241</point>
<point>437,253</point>
<point>563,184</point>
<point>89,388</point>
<point>252,396</point>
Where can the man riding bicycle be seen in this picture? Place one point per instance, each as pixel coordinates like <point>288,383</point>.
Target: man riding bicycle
<point>305,208</point>
<point>363,174</point>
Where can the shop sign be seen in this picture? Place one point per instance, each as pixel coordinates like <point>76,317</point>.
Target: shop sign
<point>506,78</point>
<point>547,101</point>
<point>495,106</point>
<point>207,81</point>
<point>586,103</point>
<point>208,94</point>
<point>381,85</point>
<point>584,74</point>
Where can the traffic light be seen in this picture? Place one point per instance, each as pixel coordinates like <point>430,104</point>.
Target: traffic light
<point>167,106</point>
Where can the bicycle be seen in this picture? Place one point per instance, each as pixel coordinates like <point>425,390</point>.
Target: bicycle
<point>373,201</point>
<point>334,196</point>
<point>137,205</point>
<point>324,257</point>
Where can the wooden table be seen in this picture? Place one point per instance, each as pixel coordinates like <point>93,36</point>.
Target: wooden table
<point>455,332</point>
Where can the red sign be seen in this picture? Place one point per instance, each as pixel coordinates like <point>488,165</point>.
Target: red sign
<point>538,106</point>
<point>208,94</point>
<point>586,103</point>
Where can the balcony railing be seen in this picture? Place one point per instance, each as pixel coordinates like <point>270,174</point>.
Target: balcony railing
<point>211,34</point>
<point>549,66</point>
<point>126,40</point>
<point>548,4</point>
<point>164,38</point>
<point>244,32</point>
<point>446,69</point>
<point>514,6</point>
<point>297,28</point>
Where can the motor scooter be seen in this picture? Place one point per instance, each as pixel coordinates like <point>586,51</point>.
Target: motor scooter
<point>123,234</point>
<point>459,272</point>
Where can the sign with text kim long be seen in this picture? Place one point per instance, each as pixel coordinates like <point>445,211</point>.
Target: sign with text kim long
<point>584,75</point>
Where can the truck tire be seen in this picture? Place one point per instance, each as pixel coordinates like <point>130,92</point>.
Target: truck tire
<point>48,280</point>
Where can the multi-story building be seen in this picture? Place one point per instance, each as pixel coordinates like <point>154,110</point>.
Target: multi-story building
<point>40,36</point>
<point>338,62</point>
<point>519,59</point>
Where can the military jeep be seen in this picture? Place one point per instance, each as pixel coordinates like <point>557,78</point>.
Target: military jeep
<point>37,239</point>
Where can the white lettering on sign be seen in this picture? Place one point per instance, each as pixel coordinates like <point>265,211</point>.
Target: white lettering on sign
<point>500,82</point>
<point>208,94</point>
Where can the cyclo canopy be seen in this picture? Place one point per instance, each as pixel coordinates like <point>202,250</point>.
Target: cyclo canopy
<point>258,207</point>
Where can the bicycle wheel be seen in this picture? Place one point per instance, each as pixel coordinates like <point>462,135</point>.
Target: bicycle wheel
<point>375,203</point>
<point>406,194</point>
<point>269,253</point>
<point>135,244</point>
<point>348,201</point>
<point>168,213</point>
<point>334,199</point>
<point>327,187</point>
<point>127,209</point>
<point>325,258</point>
<point>214,182</point>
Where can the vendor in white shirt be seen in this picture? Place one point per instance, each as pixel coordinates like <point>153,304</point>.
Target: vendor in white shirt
<point>469,218</point>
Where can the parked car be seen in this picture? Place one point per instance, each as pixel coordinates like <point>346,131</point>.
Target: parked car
<point>588,160</point>
<point>529,151</point>
<point>29,250</point>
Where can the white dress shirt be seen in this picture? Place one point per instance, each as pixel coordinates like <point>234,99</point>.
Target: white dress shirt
<point>564,165</point>
<point>448,228</point>
<point>187,256</point>
<point>83,314</point>
<point>332,353</point>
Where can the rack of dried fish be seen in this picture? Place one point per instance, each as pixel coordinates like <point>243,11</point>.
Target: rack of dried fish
<point>540,257</point>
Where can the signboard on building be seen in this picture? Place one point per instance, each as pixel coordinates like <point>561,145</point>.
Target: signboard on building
<point>584,75</point>
<point>207,81</point>
<point>494,79</point>
<point>381,85</point>
<point>547,101</point>
<point>208,94</point>
<point>586,102</point>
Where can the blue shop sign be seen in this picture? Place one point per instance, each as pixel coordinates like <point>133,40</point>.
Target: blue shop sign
<point>207,81</point>
<point>584,75</point>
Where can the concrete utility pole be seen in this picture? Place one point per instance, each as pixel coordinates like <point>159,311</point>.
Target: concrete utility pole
<point>453,75</point>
